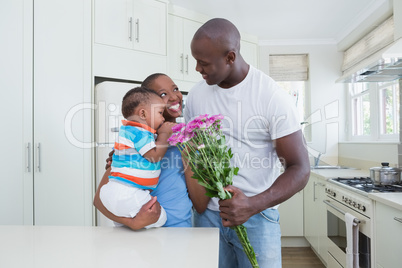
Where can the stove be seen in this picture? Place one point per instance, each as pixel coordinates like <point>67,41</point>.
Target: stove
<point>349,196</point>
<point>365,185</point>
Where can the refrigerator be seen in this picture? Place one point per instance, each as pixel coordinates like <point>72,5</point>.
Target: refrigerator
<point>108,116</point>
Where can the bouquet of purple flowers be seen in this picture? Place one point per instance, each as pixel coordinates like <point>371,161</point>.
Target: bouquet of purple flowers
<point>203,145</point>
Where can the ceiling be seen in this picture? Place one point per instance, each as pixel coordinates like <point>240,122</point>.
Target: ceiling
<point>296,21</point>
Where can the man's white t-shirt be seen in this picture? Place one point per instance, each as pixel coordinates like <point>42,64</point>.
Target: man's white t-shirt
<point>256,112</point>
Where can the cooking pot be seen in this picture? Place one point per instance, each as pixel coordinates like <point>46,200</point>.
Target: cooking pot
<point>385,175</point>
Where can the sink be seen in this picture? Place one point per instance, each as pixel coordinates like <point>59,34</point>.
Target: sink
<point>331,167</point>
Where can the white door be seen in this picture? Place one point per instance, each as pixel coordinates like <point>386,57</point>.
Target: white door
<point>62,83</point>
<point>16,110</point>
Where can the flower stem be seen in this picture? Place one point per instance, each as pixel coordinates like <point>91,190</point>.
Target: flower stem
<point>241,232</point>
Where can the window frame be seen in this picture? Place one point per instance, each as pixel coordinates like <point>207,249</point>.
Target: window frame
<point>305,110</point>
<point>395,88</point>
<point>373,89</point>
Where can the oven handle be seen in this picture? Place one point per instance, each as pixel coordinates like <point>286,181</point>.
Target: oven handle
<point>340,211</point>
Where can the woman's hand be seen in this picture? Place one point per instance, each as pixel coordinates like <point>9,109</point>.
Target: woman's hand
<point>109,160</point>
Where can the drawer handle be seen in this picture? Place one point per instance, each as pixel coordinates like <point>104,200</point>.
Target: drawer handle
<point>398,219</point>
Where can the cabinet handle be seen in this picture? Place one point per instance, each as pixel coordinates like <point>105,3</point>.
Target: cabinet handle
<point>28,157</point>
<point>130,29</point>
<point>38,156</point>
<point>182,62</point>
<point>398,219</point>
<point>137,23</point>
<point>187,64</point>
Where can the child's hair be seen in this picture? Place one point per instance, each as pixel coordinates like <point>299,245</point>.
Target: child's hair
<point>135,97</point>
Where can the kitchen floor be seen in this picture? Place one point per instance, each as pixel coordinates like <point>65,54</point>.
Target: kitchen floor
<point>300,257</point>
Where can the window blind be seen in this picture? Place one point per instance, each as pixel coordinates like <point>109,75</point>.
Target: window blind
<point>377,39</point>
<point>289,67</point>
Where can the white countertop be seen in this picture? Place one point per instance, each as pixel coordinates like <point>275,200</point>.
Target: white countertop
<point>344,173</point>
<point>57,246</point>
<point>390,199</point>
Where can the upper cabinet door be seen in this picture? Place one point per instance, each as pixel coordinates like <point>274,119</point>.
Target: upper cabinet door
<point>149,26</point>
<point>175,48</point>
<point>131,24</point>
<point>189,29</point>
<point>181,63</point>
<point>112,23</point>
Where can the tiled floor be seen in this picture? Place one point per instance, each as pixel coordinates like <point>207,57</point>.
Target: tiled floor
<point>300,257</point>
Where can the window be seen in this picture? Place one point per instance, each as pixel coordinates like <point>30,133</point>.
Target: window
<point>360,109</point>
<point>374,111</point>
<point>290,71</point>
<point>296,89</point>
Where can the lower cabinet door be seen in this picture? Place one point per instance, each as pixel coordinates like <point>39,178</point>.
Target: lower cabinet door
<point>332,263</point>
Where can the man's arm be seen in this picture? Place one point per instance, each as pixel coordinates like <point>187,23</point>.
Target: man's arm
<point>148,214</point>
<point>293,154</point>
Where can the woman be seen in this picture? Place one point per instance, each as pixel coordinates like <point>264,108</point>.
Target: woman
<point>172,189</point>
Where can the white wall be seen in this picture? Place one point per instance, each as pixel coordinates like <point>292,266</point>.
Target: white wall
<point>367,155</point>
<point>326,97</point>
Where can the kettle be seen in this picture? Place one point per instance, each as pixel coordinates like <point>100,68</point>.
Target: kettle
<point>385,175</point>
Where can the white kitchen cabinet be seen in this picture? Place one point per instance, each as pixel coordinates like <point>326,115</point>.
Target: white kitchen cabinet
<point>47,179</point>
<point>315,216</point>
<point>249,52</point>
<point>16,194</point>
<point>291,216</point>
<point>388,235</point>
<point>131,24</point>
<point>181,64</point>
<point>310,213</point>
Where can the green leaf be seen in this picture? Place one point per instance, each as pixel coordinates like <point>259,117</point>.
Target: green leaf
<point>205,185</point>
<point>236,170</point>
<point>230,153</point>
<point>211,193</point>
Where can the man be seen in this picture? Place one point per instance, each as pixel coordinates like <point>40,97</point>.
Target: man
<point>261,126</point>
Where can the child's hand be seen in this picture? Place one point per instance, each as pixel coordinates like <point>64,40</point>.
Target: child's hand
<point>166,128</point>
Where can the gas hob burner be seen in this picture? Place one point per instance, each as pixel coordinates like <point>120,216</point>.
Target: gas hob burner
<point>365,184</point>
<point>354,181</point>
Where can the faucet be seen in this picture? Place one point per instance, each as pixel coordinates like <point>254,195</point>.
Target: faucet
<point>317,160</point>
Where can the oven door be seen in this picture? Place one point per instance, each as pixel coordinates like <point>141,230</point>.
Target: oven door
<point>336,233</point>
